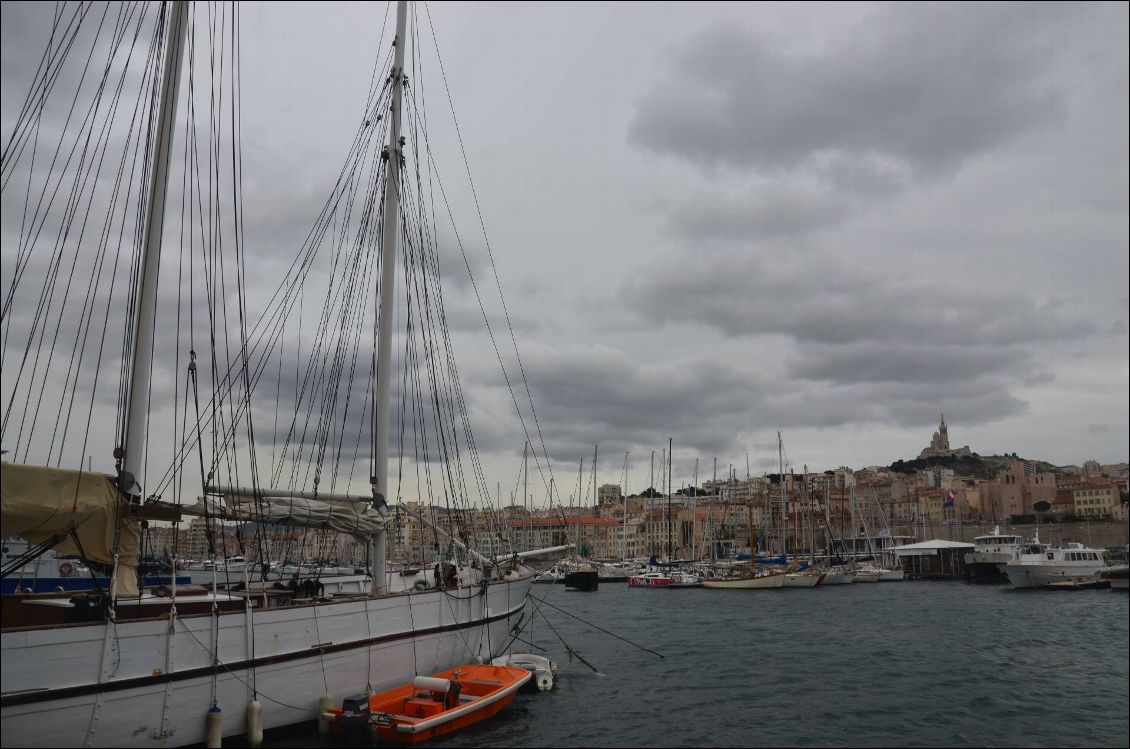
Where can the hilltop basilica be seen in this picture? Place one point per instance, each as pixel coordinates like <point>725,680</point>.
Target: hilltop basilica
<point>940,445</point>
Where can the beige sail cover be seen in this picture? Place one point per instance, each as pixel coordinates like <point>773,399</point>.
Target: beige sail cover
<point>38,502</point>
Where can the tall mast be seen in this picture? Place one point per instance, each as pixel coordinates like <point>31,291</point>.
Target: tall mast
<point>713,496</point>
<point>580,486</point>
<point>131,453</point>
<point>390,233</point>
<point>784,496</point>
<point>669,498</point>
<point>595,501</point>
<point>624,507</point>
<point>526,476</point>
<point>694,512</point>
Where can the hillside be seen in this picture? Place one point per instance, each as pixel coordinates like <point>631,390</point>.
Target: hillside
<point>976,466</point>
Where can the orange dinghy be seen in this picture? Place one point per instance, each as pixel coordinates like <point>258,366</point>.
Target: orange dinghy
<point>431,706</point>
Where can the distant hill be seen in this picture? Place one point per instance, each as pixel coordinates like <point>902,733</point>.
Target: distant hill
<point>977,466</point>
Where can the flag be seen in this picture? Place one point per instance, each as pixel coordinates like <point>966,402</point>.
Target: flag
<point>949,499</point>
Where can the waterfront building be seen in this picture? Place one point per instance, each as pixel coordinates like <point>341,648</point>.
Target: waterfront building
<point>1064,504</point>
<point>1096,498</point>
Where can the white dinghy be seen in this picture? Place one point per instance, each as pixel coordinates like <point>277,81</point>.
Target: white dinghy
<point>543,669</point>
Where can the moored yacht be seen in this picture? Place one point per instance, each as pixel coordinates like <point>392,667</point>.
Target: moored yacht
<point>986,563</point>
<point>1038,565</point>
<point>651,580</point>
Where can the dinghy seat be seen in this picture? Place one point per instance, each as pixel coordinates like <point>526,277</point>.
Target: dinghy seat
<point>443,691</point>
<point>431,684</point>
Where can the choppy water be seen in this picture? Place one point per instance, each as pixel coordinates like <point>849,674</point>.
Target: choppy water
<point>894,664</point>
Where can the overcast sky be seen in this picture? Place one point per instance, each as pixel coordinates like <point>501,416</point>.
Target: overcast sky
<point>715,222</point>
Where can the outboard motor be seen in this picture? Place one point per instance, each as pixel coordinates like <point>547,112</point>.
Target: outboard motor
<point>354,720</point>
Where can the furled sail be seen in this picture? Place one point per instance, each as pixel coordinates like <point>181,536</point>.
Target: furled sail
<point>355,516</point>
<point>37,502</point>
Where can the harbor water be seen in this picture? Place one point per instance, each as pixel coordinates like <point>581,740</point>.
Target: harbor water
<point>894,664</point>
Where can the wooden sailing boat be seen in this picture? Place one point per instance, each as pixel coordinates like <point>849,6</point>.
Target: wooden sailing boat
<point>132,668</point>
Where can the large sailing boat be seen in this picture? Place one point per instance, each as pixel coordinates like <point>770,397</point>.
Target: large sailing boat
<point>130,667</point>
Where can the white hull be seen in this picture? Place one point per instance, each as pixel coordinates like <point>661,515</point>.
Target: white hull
<point>542,668</point>
<point>801,580</point>
<point>865,577</point>
<point>837,578</point>
<point>1037,575</point>
<point>764,582</point>
<point>891,576</point>
<point>157,688</point>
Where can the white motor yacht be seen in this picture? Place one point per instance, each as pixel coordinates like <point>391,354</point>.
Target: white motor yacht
<point>1039,565</point>
<point>989,556</point>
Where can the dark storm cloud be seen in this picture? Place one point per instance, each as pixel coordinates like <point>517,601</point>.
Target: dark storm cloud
<point>925,86</point>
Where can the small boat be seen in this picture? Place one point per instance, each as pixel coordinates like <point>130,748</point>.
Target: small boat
<point>807,579</point>
<point>651,580</point>
<point>685,580</point>
<point>582,577</point>
<point>1117,577</point>
<point>431,706</point>
<point>866,575</point>
<point>837,576</point>
<point>543,669</point>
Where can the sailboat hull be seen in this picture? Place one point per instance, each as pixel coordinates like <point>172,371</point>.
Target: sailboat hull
<point>837,578</point>
<point>760,582</point>
<point>158,686</point>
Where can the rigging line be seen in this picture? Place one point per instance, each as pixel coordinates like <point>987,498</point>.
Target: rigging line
<point>44,67</point>
<point>47,296</point>
<point>31,167</point>
<point>432,264</point>
<point>324,321</point>
<point>85,318</point>
<point>46,84</point>
<point>413,281</point>
<point>419,115</point>
<point>553,629</point>
<point>594,626</point>
<point>486,319</point>
<point>486,239</point>
<point>32,238</point>
<point>449,375</point>
<point>268,329</point>
<point>139,152</point>
<point>46,293</point>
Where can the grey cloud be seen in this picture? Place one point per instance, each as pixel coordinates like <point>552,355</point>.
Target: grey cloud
<point>594,394</point>
<point>874,361</point>
<point>743,296</point>
<point>926,86</point>
<point>759,213</point>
